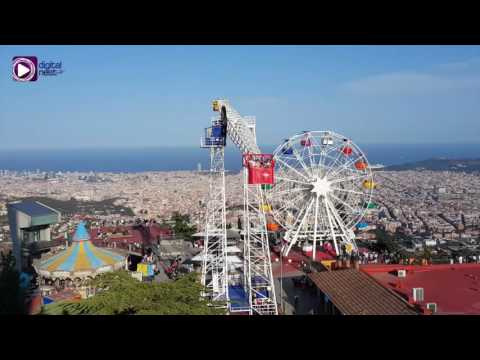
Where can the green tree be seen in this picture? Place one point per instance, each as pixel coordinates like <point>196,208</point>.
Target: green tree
<point>425,254</point>
<point>119,294</point>
<point>385,241</point>
<point>182,225</point>
<point>11,295</point>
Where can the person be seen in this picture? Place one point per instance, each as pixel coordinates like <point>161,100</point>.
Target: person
<point>295,301</point>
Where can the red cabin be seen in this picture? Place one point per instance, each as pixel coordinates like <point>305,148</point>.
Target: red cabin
<point>328,248</point>
<point>360,165</point>
<point>260,168</point>
<point>306,141</point>
<point>347,150</point>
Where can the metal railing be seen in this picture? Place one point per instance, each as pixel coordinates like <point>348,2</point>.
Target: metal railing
<point>42,245</point>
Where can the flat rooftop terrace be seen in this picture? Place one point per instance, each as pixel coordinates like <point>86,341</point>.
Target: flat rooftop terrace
<point>455,288</point>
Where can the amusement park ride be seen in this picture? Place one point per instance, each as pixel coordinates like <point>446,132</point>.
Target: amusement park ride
<point>314,187</point>
<point>323,181</point>
<point>258,170</point>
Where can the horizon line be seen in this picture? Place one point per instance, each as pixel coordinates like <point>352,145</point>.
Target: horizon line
<point>116,147</point>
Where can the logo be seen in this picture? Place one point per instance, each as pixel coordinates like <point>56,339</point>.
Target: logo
<point>24,68</point>
<point>50,68</point>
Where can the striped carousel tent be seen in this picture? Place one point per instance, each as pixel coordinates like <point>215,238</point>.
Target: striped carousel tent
<point>82,259</point>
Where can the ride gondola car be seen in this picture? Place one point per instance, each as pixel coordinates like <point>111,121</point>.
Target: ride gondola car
<point>260,168</point>
<point>370,205</point>
<point>362,225</point>
<point>369,184</point>
<point>347,150</point>
<point>306,140</point>
<point>360,165</point>
<point>215,136</point>
<point>327,140</point>
<point>287,150</point>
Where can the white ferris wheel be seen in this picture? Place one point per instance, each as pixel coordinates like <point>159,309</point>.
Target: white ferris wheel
<point>323,187</point>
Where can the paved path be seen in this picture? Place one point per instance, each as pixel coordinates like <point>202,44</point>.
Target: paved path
<point>306,303</point>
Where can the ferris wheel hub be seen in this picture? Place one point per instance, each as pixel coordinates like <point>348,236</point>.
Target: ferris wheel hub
<point>321,186</point>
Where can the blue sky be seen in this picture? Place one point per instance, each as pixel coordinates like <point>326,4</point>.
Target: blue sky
<point>134,96</point>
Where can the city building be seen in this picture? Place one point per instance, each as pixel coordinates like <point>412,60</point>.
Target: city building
<point>131,237</point>
<point>353,292</point>
<point>444,289</point>
<point>380,289</point>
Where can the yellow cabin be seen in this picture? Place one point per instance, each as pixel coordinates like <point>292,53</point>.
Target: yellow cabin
<point>266,208</point>
<point>349,248</point>
<point>369,184</point>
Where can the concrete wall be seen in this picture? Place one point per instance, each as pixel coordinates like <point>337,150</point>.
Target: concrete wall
<point>15,219</point>
<point>18,220</point>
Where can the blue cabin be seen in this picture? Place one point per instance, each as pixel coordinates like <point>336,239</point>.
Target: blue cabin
<point>217,131</point>
<point>362,225</point>
<point>287,150</point>
<point>215,136</point>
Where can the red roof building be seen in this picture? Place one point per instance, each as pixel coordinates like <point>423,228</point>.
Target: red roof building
<point>454,289</point>
<point>149,234</point>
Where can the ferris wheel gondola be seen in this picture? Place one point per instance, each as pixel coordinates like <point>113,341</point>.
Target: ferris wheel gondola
<point>322,182</point>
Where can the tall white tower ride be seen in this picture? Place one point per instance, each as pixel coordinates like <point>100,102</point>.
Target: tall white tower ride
<point>214,266</point>
<point>258,279</point>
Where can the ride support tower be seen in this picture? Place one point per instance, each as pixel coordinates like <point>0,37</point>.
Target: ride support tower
<point>215,266</point>
<point>258,173</point>
<point>257,272</point>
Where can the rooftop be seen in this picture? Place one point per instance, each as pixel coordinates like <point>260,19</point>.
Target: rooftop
<point>131,234</point>
<point>355,293</point>
<point>454,288</point>
<point>81,258</point>
<point>33,208</point>
<point>81,233</point>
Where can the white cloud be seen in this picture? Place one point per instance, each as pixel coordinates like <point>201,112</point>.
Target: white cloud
<point>461,65</point>
<point>445,78</point>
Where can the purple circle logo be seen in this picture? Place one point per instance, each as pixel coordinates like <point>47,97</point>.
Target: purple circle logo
<point>24,68</point>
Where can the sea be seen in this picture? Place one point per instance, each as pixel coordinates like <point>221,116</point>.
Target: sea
<point>187,158</point>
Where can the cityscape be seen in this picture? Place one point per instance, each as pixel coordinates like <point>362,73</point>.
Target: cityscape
<point>424,205</point>
<point>318,226</point>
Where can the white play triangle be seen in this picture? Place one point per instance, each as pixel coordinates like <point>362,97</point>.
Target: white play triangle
<point>22,70</point>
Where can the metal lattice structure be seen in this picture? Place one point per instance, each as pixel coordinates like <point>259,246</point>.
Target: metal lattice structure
<point>258,279</point>
<point>214,266</point>
<point>258,268</point>
<point>323,181</point>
